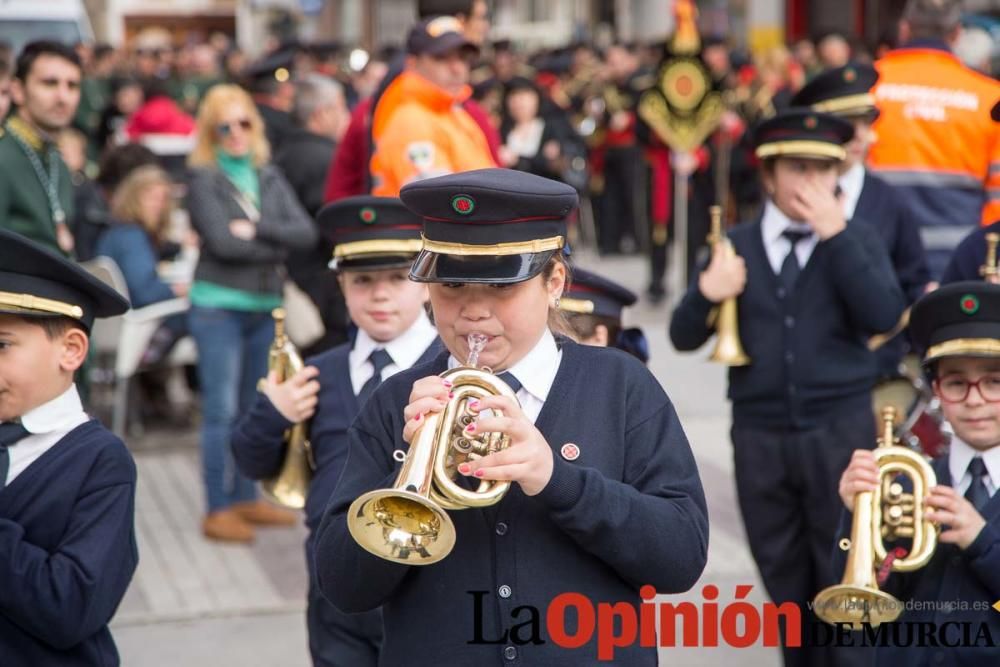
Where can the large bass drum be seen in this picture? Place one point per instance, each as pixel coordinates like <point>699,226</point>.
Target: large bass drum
<point>920,425</point>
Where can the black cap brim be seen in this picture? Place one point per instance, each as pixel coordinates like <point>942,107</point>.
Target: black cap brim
<point>374,263</point>
<point>432,267</point>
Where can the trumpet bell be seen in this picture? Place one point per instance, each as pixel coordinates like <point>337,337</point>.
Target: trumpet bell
<point>401,526</point>
<point>856,605</point>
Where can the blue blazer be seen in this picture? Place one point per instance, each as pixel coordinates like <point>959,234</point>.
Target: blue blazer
<point>969,256</point>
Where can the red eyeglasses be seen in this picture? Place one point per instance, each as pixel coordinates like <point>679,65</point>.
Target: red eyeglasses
<point>955,389</point>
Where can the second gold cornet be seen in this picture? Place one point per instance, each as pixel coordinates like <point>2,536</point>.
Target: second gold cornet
<point>885,514</point>
<point>989,270</point>
<point>728,348</point>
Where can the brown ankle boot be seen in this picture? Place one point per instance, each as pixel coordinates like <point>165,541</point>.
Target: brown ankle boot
<point>261,513</point>
<point>226,525</point>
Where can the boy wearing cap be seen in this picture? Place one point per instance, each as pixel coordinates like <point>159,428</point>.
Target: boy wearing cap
<point>419,128</point>
<point>67,485</point>
<point>374,241</point>
<point>810,288</point>
<point>844,92</point>
<point>959,326</point>
<point>593,307</point>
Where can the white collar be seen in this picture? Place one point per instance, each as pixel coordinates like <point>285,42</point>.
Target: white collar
<point>961,454</point>
<point>55,415</point>
<point>774,222</point>
<point>536,371</point>
<point>851,183</point>
<point>405,349</point>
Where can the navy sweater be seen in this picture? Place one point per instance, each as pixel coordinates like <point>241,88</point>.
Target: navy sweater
<point>67,552</point>
<point>969,256</point>
<point>953,575</point>
<point>629,511</point>
<point>810,360</point>
<point>258,439</point>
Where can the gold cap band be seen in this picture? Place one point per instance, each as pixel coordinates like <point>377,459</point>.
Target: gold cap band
<point>862,102</point>
<point>976,347</point>
<point>513,248</point>
<point>377,247</point>
<point>579,306</point>
<point>802,148</point>
<point>29,303</point>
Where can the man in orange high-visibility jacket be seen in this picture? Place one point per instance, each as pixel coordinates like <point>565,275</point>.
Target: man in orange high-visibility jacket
<point>935,138</point>
<point>419,129</point>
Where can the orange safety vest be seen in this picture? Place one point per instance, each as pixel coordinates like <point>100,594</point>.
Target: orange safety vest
<point>419,131</point>
<point>935,137</point>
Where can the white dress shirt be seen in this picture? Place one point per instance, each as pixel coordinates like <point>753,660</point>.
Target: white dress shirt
<point>777,246</point>
<point>961,454</point>
<point>405,350</point>
<point>47,424</point>
<point>536,372</point>
<point>851,183</point>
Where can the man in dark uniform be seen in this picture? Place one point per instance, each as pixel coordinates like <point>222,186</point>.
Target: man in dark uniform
<point>269,81</point>
<point>621,204</point>
<point>36,193</point>
<point>810,287</point>
<point>844,92</point>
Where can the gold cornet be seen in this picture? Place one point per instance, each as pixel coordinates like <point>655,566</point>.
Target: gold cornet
<point>728,348</point>
<point>885,514</point>
<point>989,270</point>
<point>291,485</point>
<point>408,523</point>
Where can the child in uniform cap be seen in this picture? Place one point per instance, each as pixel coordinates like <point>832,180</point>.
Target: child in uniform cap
<point>844,92</point>
<point>67,485</point>
<point>605,495</point>
<point>959,326</point>
<point>373,242</point>
<point>810,288</point>
<point>593,307</point>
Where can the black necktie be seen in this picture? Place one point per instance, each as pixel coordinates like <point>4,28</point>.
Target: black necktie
<point>790,268</point>
<point>10,434</point>
<point>512,381</point>
<point>379,359</point>
<point>977,494</point>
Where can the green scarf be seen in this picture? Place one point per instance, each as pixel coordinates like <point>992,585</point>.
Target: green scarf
<point>242,173</point>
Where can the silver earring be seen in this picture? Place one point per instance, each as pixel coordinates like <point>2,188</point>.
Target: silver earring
<point>556,305</point>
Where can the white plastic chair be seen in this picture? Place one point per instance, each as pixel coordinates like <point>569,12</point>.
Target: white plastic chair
<point>125,338</point>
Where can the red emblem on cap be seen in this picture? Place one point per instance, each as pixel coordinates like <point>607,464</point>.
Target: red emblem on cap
<point>970,304</point>
<point>850,75</point>
<point>367,215</point>
<point>810,122</point>
<point>463,204</point>
<point>570,452</point>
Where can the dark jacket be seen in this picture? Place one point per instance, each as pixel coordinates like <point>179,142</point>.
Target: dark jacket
<point>969,256</point>
<point>67,552</point>
<point>629,511</point>
<point>255,265</point>
<point>303,158</point>
<point>810,359</point>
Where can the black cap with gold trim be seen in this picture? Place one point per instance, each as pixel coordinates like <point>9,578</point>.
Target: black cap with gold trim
<point>842,91</point>
<point>38,282</point>
<point>366,233</point>
<point>591,294</point>
<point>802,133</point>
<point>488,225</point>
<point>959,319</point>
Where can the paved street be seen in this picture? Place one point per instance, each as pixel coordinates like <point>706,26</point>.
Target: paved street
<point>196,604</point>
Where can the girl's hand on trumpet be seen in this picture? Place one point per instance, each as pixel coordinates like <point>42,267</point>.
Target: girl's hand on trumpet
<point>861,475</point>
<point>429,394</point>
<point>528,459</point>
<point>725,276</point>
<point>296,397</point>
<point>958,517</point>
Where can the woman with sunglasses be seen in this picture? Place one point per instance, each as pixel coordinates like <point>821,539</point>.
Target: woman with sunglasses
<point>248,219</point>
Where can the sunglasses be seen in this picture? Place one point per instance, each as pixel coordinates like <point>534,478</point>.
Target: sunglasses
<point>225,129</point>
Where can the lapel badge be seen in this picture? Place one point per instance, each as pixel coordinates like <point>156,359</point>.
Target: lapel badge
<point>570,452</point>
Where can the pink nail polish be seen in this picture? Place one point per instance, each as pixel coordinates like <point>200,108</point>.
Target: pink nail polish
<point>464,468</point>
<point>447,383</point>
<point>417,418</point>
<point>474,404</point>
<point>451,395</point>
<point>479,473</point>
<point>470,427</point>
